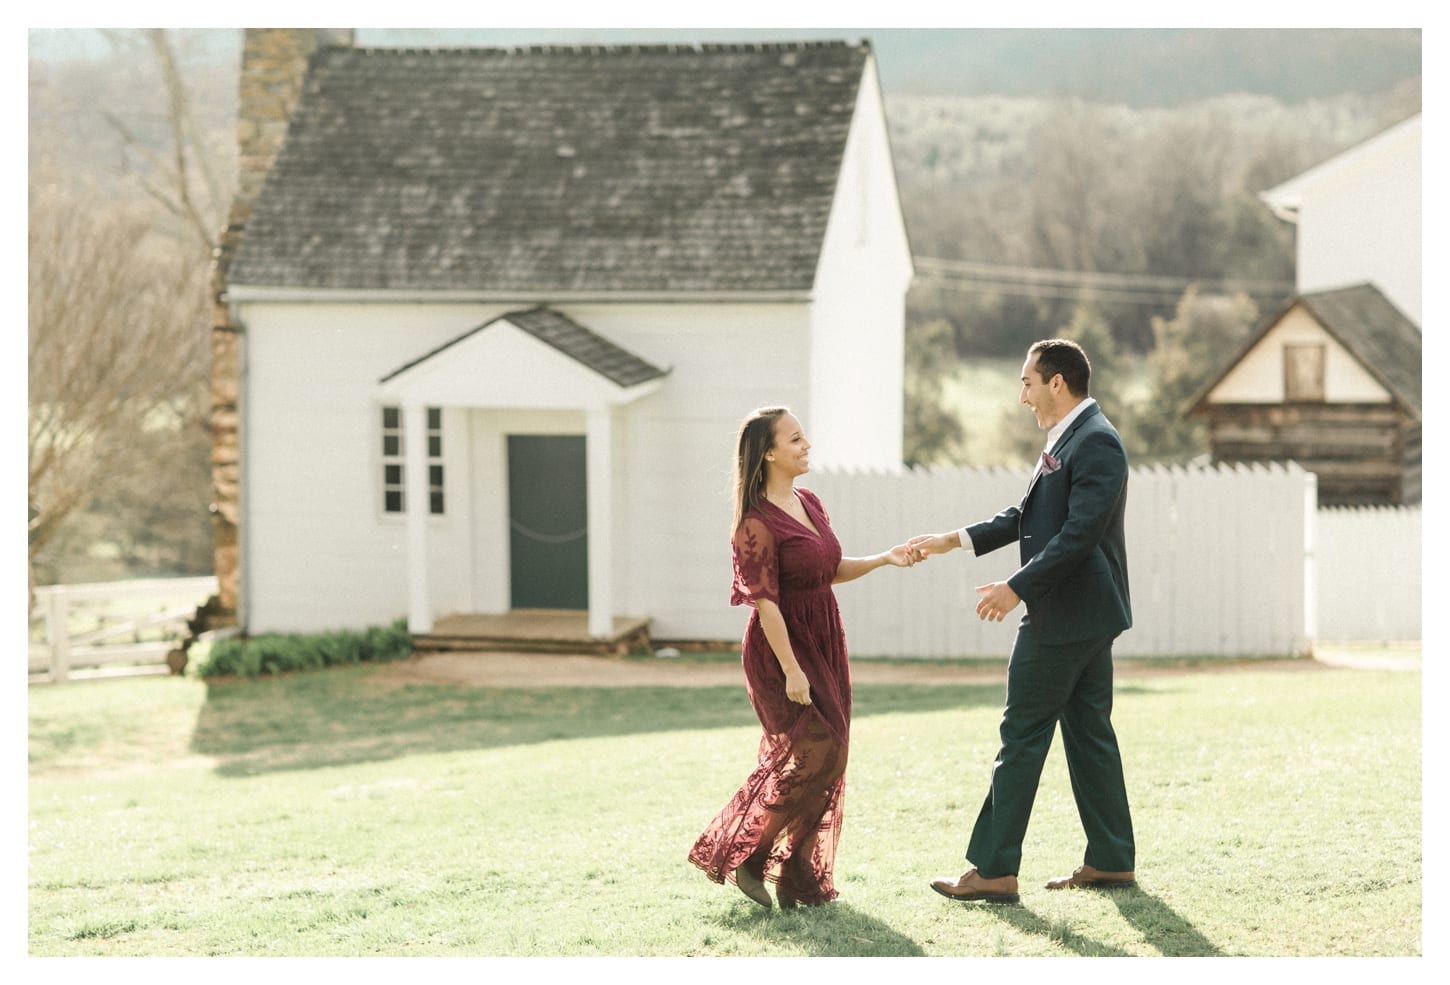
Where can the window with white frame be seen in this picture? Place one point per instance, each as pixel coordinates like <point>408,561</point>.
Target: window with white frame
<point>394,499</point>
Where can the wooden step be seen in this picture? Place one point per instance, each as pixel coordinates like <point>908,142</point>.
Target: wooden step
<point>533,631</point>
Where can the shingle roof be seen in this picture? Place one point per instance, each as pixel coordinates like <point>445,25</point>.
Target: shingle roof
<point>619,366</point>
<point>1368,324</point>
<point>649,168</point>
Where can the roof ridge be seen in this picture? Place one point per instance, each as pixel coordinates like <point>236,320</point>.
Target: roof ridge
<point>630,48</point>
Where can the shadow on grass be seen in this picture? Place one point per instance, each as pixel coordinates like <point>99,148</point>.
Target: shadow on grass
<point>1027,922</point>
<point>1162,926</point>
<point>1159,924</point>
<point>340,716</point>
<point>834,930</point>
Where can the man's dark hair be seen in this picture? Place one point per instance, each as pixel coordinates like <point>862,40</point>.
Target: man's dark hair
<point>1066,357</point>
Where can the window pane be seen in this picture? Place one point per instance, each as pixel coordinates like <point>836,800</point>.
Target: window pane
<point>1304,372</point>
<point>435,475</point>
<point>435,502</point>
<point>390,417</point>
<point>393,501</point>
<point>435,446</point>
<point>392,445</point>
<point>435,418</point>
<point>393,475</point>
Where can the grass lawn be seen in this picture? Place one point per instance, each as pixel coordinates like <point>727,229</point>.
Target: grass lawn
<point>335,813</point>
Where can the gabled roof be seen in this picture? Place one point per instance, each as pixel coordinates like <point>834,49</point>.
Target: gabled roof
<point>1287,198</point>
<point>589,349</point>
<point>642,168</point>
<point>1360,318</point>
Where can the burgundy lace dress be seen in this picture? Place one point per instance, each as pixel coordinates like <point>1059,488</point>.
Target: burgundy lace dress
<point>785,821</point>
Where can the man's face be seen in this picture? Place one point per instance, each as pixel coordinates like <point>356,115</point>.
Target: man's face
<point>1042,397</point>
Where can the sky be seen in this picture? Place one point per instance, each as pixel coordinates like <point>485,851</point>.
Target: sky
<point>628,20</point>
<point>943,60</point>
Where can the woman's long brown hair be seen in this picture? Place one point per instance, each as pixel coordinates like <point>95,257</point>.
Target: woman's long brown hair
<point>757,436</point>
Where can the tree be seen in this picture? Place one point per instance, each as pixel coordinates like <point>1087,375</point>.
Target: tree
<point>932,432</point>
<point>181,168</point>
<point>117,336</point>
<point>1188,350</point>
<point>119,342</point>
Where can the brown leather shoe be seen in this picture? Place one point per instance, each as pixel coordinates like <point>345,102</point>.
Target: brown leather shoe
<point>975,888</point>
<point>1086,877</point>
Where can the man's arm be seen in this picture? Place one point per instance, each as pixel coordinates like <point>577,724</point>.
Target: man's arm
<point>979,538</point>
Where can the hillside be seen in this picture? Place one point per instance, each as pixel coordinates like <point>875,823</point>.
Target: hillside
<point>1147,68</point>
<point>1135,67</point>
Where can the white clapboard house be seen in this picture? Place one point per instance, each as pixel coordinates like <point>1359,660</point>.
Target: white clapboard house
<point>502,310</point>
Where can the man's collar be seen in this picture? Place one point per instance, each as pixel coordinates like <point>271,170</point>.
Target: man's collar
<point>1060,428</point>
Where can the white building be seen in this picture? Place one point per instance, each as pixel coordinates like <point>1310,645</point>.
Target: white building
<point>1358,218</point>
<point>501,312</point>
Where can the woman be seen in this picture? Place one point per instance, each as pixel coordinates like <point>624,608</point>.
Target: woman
<point>783,824</point>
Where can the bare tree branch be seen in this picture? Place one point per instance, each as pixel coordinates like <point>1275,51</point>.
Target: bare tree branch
<point>117,327</point>
<point>119,307</point>
<point>188,135</point>
<point>186,161</point>
<point>183,132</point>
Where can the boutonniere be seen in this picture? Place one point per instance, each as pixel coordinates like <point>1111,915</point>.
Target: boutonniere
<point>1049,464</point>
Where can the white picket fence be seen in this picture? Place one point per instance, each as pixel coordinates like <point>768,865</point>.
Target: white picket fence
<point>107,627</point>
<point>1368,562</point>
<point>1223,561</point>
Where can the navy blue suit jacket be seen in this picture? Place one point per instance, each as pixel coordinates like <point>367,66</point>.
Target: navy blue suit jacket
<point>1069,528</point>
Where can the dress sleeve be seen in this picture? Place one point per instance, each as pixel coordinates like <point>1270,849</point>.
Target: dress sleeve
<point>757,566</point>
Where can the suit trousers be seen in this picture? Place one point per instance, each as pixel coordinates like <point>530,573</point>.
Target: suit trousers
<point>1070,683</point>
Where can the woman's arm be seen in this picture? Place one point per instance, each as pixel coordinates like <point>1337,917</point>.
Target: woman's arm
<point>772,623</point>
<point>852,568</point>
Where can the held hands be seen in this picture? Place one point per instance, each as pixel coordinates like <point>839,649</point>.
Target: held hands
<point>923,546</point>
<point>920,548</point>
<point>902,556</point>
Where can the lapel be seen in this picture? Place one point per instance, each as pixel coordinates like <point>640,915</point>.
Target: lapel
<point>1061,443</point>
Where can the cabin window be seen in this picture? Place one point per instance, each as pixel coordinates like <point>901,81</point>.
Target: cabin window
<point>1304,373</point>
<point>393,492</point>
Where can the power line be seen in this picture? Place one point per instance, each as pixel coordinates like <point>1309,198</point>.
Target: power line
<point>1068,284</point>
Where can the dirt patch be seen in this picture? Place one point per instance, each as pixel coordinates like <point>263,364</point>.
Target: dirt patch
<point>579,670</point>
<point>523,670</point>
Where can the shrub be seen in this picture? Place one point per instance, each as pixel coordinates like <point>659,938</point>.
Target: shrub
<point>279,653</point>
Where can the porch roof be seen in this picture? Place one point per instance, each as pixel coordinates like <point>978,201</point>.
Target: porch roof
<point>537,357</point>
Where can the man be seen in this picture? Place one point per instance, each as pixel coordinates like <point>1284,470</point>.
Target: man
<point>1074,581</point>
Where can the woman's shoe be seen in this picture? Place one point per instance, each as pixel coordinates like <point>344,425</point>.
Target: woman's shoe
<point>787,901</point>
<point>748,884</point>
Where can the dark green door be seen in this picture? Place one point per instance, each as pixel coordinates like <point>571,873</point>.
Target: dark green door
<point>548,522</point>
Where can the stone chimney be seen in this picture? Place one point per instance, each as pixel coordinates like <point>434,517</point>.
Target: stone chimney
<point>274,67</point>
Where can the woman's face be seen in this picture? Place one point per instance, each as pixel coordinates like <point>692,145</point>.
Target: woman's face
<point>791,452</point>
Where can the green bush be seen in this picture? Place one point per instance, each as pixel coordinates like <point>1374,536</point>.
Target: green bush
<point>279,653</point>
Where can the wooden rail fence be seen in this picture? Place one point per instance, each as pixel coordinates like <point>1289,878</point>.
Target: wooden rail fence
<point>106,628</point>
